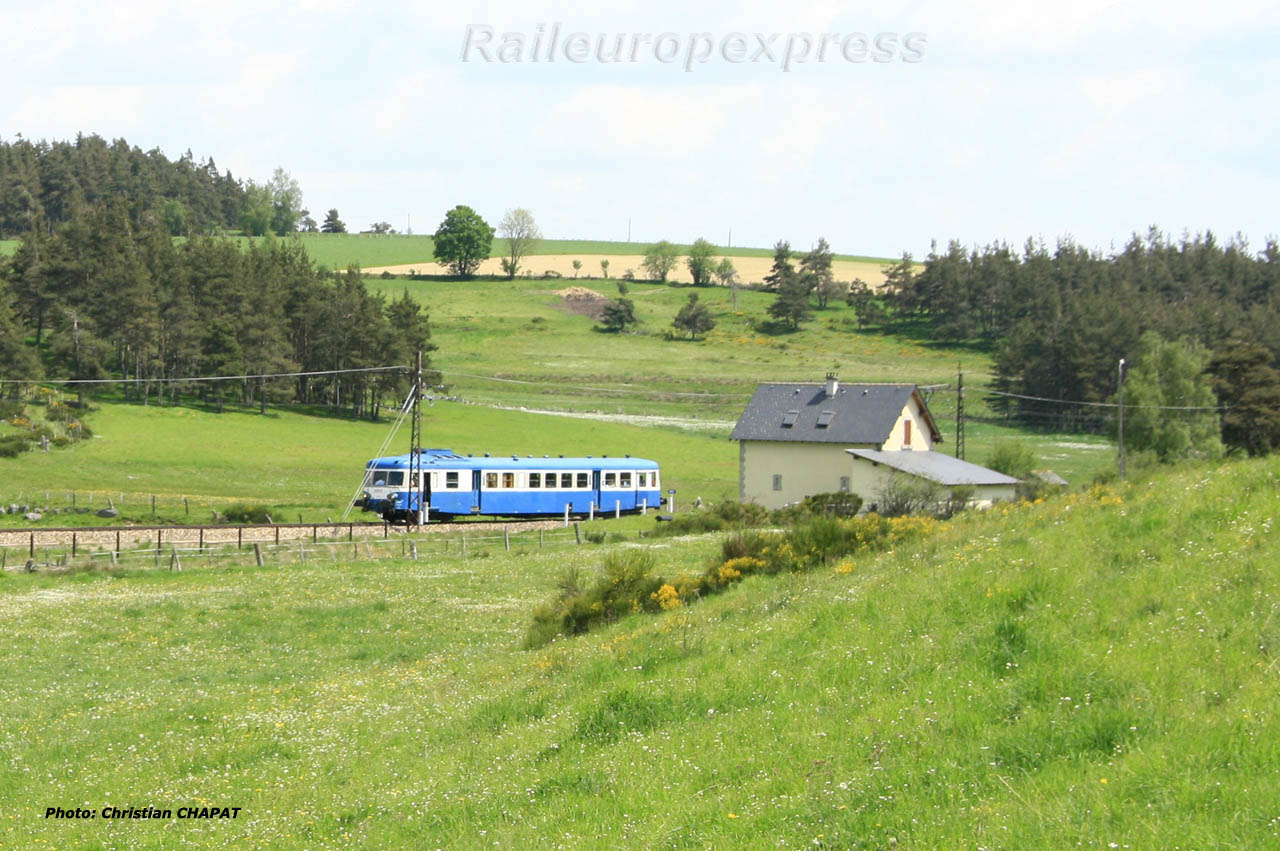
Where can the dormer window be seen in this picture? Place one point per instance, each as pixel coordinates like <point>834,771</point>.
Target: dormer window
<point>825,418</point>
<point>790,418</point>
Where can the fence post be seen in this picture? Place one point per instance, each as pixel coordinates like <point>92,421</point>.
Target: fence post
<point>617,509</point>
<point>73,544</point>
<point>239,537</point>
<point>577,532</point>
<point>506,538</point>
<point>202,539</point>
<point>566,515</point>
<point>539,539</point>
<point>302,551</point>
<point>413,550</point>
<point>257,553</point>
<point>644,507</point>
<point>186,505</point>
<point>277,536</point>
<point>117,540</point>
<point>592,511</point>
<point>153,505</point>
<point>464,545</point>
<point>33,545</point>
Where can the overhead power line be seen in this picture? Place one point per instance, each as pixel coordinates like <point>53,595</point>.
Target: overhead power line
<point>1205,408</point>
<point>204,377</point>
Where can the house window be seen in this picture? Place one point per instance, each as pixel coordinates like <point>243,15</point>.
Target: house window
<point>777,481</point>
<point>451,480</point>
<point>906,434</point>
<point>825,418</point>
<point>535,481</point>
<point>790,418</point>
<point>844,484</point>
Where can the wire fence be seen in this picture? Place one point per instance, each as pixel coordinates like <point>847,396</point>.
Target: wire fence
<point>355,543</point>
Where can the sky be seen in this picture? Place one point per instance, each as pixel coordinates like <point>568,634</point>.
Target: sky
<point>973,120</point>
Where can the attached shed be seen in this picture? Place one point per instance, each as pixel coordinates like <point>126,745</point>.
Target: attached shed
<point>873,469</point>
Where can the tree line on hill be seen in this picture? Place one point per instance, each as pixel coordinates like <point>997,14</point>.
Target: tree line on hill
<point>103,296</point>
<point>1060,321</point>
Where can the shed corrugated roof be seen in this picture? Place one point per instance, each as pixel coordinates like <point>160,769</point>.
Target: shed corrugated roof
<point>934,466</point>
<point>857,413</point>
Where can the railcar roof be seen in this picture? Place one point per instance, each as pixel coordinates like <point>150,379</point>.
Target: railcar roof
<point>447,459</point>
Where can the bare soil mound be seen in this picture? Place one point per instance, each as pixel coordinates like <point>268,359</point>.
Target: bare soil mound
<point>583,302</point>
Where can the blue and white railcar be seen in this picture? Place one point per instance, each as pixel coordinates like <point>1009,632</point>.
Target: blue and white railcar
<point>454,485</point>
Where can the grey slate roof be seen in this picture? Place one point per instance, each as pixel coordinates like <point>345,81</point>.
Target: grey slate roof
<point>863,413</point>
<point>935,466</point>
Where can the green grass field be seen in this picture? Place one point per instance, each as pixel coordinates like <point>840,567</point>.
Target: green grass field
<point>1095,671</point>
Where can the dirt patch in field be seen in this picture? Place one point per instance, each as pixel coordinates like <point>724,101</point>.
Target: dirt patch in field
<point>582,301</point>
<point>750,269</point>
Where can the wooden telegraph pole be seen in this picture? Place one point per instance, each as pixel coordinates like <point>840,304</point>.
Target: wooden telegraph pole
<point>960,414</point>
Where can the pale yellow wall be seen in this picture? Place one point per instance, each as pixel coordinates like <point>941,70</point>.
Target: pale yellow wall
<point>921,437</point>
<point>806,469</point>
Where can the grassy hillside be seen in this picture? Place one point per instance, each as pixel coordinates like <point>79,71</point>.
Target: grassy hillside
<point>515,345</point>
<point>1096,671</point>
<point>312,464</point>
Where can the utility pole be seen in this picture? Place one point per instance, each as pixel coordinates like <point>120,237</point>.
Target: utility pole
<point>1120,430</point>
<point>960,413</point>
<point>415,446</point>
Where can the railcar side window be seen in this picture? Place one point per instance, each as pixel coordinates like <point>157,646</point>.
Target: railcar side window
<point>451,480</point>
<point>508,480</point>
<point>535,480</point>
<point>610,479</point>
<point>566,480</point>
<point>491,480</point>
<point>624,480</point>
<point>642,479</point>
<point>584,481</point>
<point>395,479</point>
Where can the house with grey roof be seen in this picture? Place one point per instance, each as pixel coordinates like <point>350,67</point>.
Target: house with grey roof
<point>796,440</point>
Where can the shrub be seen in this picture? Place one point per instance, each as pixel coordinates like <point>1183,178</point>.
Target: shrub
<point>837,504</point>
<point>14,445</point>
<point>718,517</point>
<point>242,512</point>
<point>626,585</point>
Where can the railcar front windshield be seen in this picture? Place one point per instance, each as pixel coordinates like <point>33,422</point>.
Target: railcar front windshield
<point>379,478</point>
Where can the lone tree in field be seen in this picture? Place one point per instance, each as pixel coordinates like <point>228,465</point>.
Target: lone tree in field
<point>463,241</point>
<point>694,318</point>
<point>619,314</point>
<point>604,266</point>
<point>286,202</point>
<point>701,262</point>
<point>660,259</point>
<point>792,305</point>
<point>815,269</point>
<point>577,267</point>
<point>333,224</point>
<point>522,235</point>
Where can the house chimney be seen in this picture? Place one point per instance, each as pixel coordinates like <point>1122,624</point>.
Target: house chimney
<point>832,384</point>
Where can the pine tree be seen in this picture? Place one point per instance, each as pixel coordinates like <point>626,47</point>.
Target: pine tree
<point>694,317</point>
